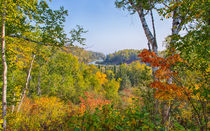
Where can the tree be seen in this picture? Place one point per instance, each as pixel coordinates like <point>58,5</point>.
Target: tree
<point>191,17</point>
<point>9,11</point>
<point>189,75</point>
<point>20,19</point>
<point>142,7</point>
<point>182,12</point>
<point>4,100</point>
<point>122,56</point>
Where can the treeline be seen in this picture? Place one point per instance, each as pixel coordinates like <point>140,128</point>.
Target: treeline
<point>84,55</point>
<point>125,56</point>
<point>49,88</point>
<point>122,56</point>
<point>63,92</point>
<point>55,72</point>
<point>133,75</point>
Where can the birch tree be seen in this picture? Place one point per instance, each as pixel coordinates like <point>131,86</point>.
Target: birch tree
<point>186,15</point>
<point>17,18</point>
<point>142,8</point>
<point>10,11</point>
<point>167,9</point>
<point>4,92</point>
<point>191,16</point>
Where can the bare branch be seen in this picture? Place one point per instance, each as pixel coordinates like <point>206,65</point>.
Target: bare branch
<point>15,36</point>
<point>153,27</point>
<point>146,13</point>
<point>165,5</point>
<point>134,6</point>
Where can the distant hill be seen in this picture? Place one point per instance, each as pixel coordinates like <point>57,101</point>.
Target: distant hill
<point>122,56</point>
<point>82,54</point>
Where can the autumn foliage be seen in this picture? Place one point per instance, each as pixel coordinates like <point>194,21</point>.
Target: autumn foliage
<point>37,114</point>
<point>90,102</point>
<point>163,74</point>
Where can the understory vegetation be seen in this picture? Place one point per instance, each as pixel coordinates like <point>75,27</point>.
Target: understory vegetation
<point>67,94</point>
<point>47,83</point>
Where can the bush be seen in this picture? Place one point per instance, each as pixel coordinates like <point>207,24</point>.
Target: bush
<point>45,113</point>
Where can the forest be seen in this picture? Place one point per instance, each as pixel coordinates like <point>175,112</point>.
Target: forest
<point>120,57</point>
<point>47,83</point>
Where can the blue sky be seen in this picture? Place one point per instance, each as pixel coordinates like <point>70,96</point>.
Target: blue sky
<point>109,29</point>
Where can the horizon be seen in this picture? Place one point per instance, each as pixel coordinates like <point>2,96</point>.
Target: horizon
<point>109,29</point>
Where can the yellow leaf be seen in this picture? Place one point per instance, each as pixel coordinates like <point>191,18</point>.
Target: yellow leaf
<point>196,87</point>
<point>1,121</point>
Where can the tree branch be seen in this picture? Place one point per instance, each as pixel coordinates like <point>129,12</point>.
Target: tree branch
<point>146,13</point>
<point>153,27</point>
<point>134,6</point>
<point>16,36</point>
<point>145,26</point>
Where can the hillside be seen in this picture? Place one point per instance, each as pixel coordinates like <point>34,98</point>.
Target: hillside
<point>49,84</point>
<point>82,54</point>
<point>122,56</point>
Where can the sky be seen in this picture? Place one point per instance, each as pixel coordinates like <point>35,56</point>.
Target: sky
<point>109,28</point>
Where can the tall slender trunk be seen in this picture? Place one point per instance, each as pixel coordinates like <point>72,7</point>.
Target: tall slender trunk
<point>155,46</point>
<point>163,112</point>
<point>3,45</point>
<point>176,27</point>
<point>27,82</point>
<point>13,105</point>
<point>168,111</point>
<point>38,86</point>
<point>152,43</point>
<point>147,32</point>
<point>29,86</point>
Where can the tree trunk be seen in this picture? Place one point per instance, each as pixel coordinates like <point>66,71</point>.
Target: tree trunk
<point>147,31</point>
<point>155,46</point>
<point>176,27</point>
<point>150,37</point>
<point>13,105</point>
<point>38,86</point>
<point>4,63</point>
<point>27,82</point>
<point>29,87</point>
<point>152,43</point>
<point>168,111</point>
<point>163,112</point>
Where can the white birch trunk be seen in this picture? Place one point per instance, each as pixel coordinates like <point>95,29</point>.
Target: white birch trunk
<point>27,82</point>
<point>151,40</point>
<point>150,37</point>
<point>4,63</point>
<point>147,31</point>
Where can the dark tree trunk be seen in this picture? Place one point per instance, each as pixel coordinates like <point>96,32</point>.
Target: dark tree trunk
<point>38,86</point>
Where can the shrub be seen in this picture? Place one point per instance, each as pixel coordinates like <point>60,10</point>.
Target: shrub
<point>45,113</point>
